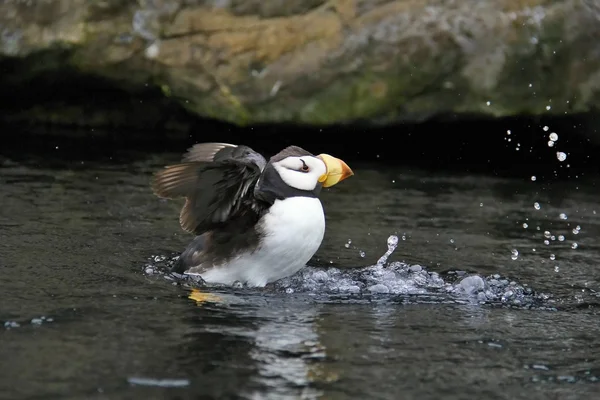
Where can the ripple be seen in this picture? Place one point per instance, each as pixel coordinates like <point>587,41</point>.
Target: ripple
<point>140,381</point>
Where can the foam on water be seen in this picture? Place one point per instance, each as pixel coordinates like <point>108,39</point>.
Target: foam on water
<point>394,278</point>
<point>387,279</point>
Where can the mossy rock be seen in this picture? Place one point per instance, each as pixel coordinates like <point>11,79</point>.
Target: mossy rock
<point>311,61</point>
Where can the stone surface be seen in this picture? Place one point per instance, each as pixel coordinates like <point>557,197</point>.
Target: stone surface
<point>315,61</point>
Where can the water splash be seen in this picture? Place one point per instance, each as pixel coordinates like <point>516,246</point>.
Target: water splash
<point>384,279</point>
<point>36,321</point>
<point>392,243</point>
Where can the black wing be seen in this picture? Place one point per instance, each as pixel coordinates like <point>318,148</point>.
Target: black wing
<point>217,181</point>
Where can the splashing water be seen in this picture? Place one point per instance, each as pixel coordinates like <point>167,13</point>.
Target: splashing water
<point>392,243</point>
<point>383,278</point>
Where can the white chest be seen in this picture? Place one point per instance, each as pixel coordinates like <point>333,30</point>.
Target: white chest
<point>294,229</point>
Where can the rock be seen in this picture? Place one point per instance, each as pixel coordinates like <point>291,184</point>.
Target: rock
<point>315,61</point>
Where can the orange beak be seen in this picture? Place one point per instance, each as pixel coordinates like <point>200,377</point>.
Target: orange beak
<point>337,170</point>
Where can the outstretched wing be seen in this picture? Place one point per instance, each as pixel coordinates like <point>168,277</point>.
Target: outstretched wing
<point>216,179</point>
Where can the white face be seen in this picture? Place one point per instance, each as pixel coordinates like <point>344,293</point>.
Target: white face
<point>301,172</point>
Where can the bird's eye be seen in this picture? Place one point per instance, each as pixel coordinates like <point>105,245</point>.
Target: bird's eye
<point>304,167</point>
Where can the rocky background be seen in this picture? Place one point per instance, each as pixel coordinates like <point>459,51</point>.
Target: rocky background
<point>158,62</point>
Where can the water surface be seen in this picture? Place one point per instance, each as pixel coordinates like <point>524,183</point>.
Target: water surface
<point>84,318</point>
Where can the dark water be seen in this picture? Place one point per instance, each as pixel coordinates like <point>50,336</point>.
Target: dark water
<point>83,320</point>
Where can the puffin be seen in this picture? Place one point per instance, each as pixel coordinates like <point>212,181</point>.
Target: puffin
<point>255,221</point>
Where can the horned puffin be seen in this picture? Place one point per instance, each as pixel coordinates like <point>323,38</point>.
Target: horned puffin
<point>255,221</point>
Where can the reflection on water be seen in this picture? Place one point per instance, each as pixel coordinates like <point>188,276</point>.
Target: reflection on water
<point>83,319</point>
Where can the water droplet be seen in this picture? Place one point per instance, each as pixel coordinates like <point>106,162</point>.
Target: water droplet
<point>553,136</point>
<point>488,102</point>
<point>545,128</point>
<point>547,234</point>
<point>556,269</point>
<point>508,132</point>
<point>552,257</point>
<point>576,230</point>
<point>347,245</point>
<point>574,245</point>
<point>514,254</point>
<point>536,205</point>
<point>561,238</point>
<point>552,237</point>
<point>481,205</point>
<point>533,178</point>
<point>546,242</point>
<point>451,240</point>
<point>362,253</point>
<point>548,108</point>
<point>525,225</point>
<point>550,143</point>
<point>561,156</point>
<point>562,216</point>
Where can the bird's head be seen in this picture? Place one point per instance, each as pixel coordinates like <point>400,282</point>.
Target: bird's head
<point>304,171</point>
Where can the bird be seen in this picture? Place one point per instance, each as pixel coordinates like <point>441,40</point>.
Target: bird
<point>255,221</point>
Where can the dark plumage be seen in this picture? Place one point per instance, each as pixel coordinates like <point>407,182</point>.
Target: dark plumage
<point>223,201</point>
<point>255,221</point>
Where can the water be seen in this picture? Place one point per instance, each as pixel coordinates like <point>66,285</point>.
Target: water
<point>427,286</point>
